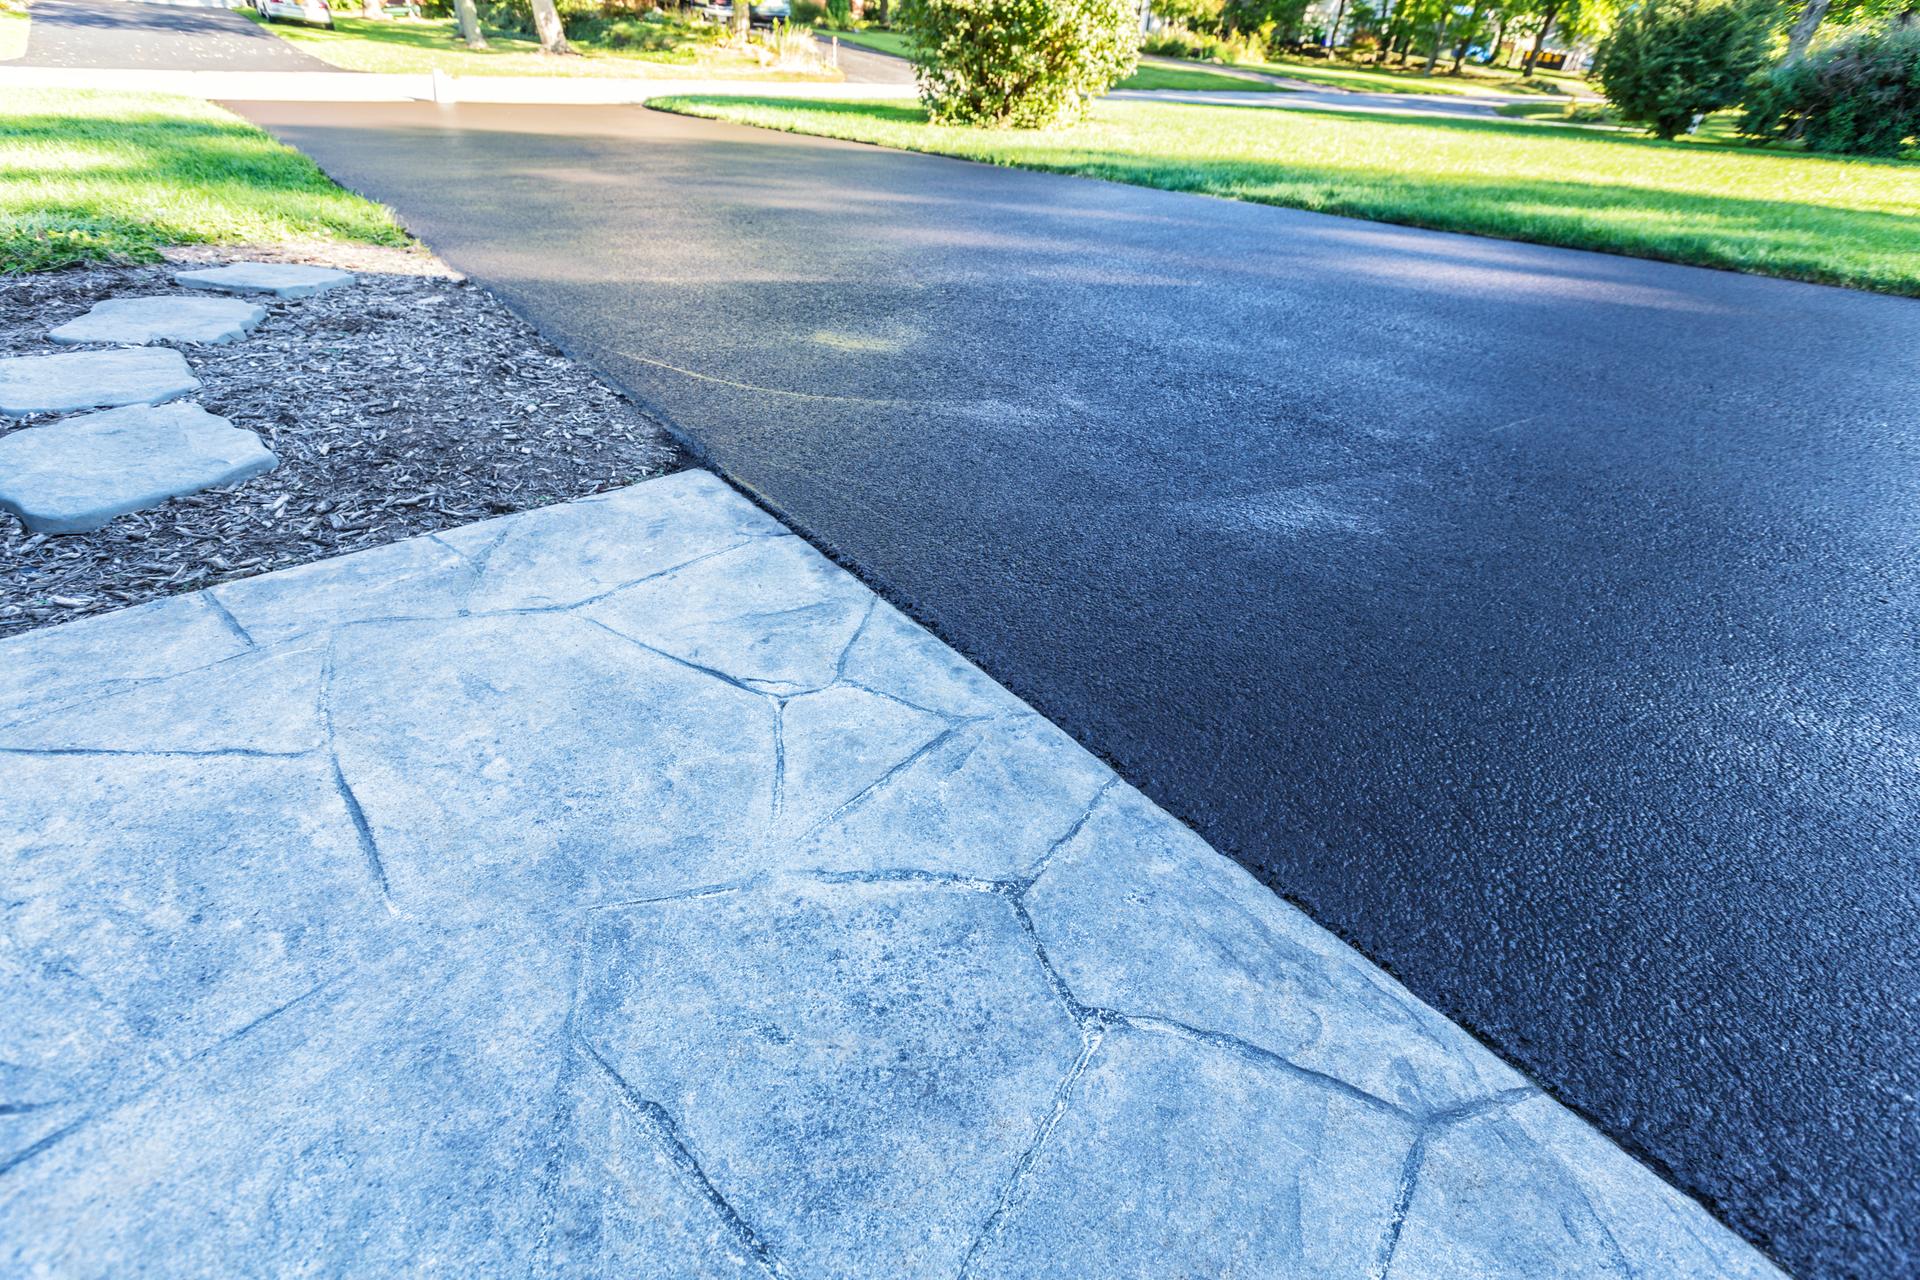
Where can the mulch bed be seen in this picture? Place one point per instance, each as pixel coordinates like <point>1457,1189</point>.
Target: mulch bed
<point>406,402</point>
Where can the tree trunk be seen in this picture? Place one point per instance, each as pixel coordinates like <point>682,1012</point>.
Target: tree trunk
<point>1333,32</point>
<point>1460,50</point>
<point>1540,41</point>
<point>742,20</point>
<point>1800,34</point>
<point>546,21</point>
<point>1433,50</point>
<point>1499,39</point>
<point>468,19</point>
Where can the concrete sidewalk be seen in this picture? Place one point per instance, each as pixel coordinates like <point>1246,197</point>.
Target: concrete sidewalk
<point>620,888</point>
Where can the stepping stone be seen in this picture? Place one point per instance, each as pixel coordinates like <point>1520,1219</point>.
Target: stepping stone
<point>93,380</point>
<point>136,321</point>
<point>281,279</point>
<point>76,474</point>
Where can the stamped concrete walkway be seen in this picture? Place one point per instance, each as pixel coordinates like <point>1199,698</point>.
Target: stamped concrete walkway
<point>621,889</point>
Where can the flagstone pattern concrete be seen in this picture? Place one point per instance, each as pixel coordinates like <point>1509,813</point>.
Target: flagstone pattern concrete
<point>621,888</point>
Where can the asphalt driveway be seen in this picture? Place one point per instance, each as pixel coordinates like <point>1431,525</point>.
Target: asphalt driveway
<point>155,37</point>
<point>1543,622</point>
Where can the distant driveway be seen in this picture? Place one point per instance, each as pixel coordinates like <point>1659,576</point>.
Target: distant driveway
<point>156,37</point>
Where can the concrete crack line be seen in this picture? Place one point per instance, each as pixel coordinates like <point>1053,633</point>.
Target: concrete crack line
<point>714,672</point>
<point>114,1103</point>
<point>666,1135</point>
<point>719,889</point>
<point>226,616</point>
<point>912,876</point>
<point>1252,1052</point>
<point>1045,860</point>
<point>866,793</point>
<point>1402,1201</point>
<point>1091,1035</point>
<point>369,847</point>
<point>209,753</point>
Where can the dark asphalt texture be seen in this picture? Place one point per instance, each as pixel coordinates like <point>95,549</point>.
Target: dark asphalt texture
<point>154,37</point>
<point>1542,622</point>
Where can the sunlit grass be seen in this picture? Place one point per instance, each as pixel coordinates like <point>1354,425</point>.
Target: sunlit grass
<point>1151,75</point>
<point>13,33</point>
<point>113,176</point>
<point>1777,213</point>
<point>411,46</point>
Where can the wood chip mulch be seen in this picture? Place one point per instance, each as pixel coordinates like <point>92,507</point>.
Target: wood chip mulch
<point>406,402</point>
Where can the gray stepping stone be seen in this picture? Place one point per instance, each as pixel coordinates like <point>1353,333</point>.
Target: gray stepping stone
<point>76,474</point>
<point>93,380</point>
<point>170,318</point>
<point>281,279</point>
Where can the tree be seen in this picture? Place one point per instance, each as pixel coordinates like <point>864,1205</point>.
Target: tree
<point>1858,96</point>
<point>742,20</point>
<point>1670,62</point>
<point>468,20</point>
<point>553,36</point>
<point>1024,64</point>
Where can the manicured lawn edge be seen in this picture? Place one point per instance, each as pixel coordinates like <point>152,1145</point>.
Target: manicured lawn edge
<point>112,177</point>
<point>1824,221</point>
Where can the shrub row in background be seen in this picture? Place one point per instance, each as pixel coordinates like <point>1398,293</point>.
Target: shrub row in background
<point>1860,96</point>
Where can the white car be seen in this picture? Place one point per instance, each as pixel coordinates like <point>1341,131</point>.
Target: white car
<point>311,11</point>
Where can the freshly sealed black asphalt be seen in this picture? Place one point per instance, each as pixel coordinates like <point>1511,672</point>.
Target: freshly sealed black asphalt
<point>1543,622</point>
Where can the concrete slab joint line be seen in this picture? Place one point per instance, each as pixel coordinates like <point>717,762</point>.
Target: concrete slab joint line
<point>621,888</point>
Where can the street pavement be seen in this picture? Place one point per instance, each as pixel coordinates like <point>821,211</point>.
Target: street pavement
<point>155,37</point>
<point>1542,622</point>
<point>621,889</point>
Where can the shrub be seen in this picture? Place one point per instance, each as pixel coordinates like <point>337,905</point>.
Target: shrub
<point>1017,63</point>
<point>1670,62</point>
<point>1192,15</point>
<point>1860,96</point>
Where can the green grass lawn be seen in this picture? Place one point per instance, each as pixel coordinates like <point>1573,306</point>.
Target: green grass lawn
<point>1362,80</point>
<point>1158,75</point>
<point>13,33</point>
<point>1777,213</point>
<point>1151,75</point>
<point>659,48</point>
<point>113,176</point>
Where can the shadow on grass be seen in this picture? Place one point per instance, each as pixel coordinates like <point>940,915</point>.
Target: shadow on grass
<point>80,188</point>
<point>1768,234</point>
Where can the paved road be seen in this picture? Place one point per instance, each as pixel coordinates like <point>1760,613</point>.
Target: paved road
<point>112,33</point>
<point>1543,622</point>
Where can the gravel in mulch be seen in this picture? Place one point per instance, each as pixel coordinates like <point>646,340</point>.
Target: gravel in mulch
<point>406,402</point>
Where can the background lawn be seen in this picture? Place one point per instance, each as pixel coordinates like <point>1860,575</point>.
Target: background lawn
<point>1777,213</point>
<point>87,176</point>
<point>1157,74</point>
<point>13,33</point>
<point>643,47</point>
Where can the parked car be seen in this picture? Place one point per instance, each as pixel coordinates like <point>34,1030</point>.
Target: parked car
<point>314,12</point>
<point>764,14</point>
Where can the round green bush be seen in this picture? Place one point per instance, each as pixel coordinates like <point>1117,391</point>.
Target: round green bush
<point>1022,64</point>
<point>1860,96</point>
<point>1670,62</point>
